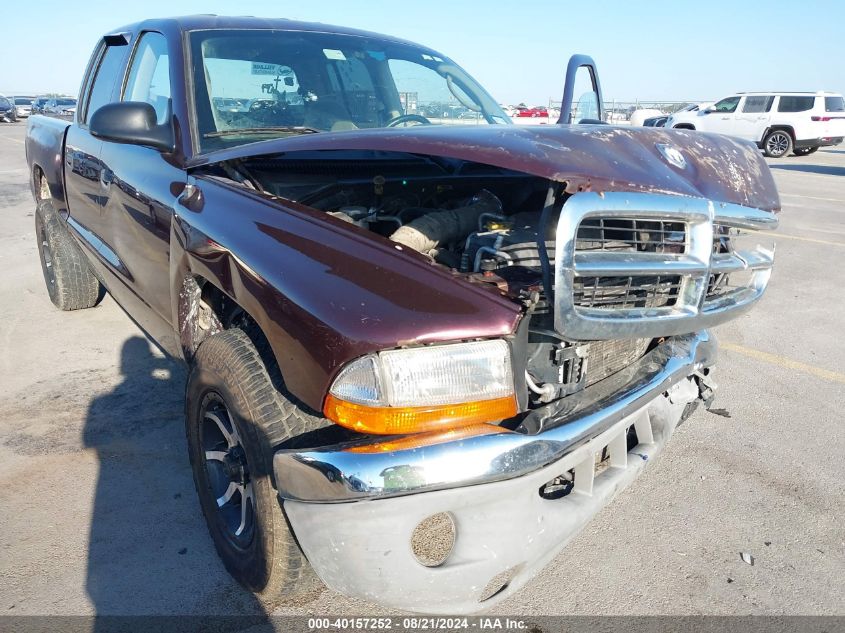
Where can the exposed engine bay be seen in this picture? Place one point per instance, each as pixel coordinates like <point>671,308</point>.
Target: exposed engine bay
<point>484,222</point>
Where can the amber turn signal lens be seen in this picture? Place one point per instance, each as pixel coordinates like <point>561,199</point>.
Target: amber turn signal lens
<point>431,438</point>
<point>402,420</point>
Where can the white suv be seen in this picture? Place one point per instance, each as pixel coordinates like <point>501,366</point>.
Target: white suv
<point>779,122</point>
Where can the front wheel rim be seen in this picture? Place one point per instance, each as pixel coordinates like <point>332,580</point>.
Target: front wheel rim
<point>778,144</point>
<point>227,471</point>
<point>46,256</point>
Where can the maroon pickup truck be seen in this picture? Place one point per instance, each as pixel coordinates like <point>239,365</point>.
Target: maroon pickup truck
<point>422,355</point>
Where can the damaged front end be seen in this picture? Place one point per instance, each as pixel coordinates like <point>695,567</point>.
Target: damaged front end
<point>620,260</point>
<point>609,239</point>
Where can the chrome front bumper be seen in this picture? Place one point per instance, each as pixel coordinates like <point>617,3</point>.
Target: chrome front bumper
<point>354,517</point>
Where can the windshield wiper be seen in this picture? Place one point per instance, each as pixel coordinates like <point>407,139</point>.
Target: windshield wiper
<point>260,130</point>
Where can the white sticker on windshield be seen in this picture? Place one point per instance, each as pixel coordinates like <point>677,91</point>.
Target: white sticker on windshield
<point>331,53</point>
<point>264,69</point>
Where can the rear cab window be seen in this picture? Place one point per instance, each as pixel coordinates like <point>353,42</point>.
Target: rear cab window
<point>792,103</point>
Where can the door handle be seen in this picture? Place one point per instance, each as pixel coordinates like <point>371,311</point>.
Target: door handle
<point>725,118</point>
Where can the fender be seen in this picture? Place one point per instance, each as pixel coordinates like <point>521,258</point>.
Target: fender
<point>324,292</point>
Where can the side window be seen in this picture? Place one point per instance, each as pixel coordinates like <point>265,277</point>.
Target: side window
<point>354,93</point>
<point>796,104</point>
<point>758,104</point>
<point>727,105</point>
<point>149,75</point>
<point>104,80</point>
<point>834,104</point>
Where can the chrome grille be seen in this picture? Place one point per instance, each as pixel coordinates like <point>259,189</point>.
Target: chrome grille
<point>611,293</point>
<point>631,234</point>
<point>638,265</point>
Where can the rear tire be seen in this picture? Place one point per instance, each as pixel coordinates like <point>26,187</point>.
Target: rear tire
<point>777,144</point>
<point>804,151</point>
<point>70,282</point>
<point>234,418</point>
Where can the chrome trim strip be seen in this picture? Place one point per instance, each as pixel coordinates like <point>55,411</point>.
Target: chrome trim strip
<point>612,264</point>
<point>337,474</point>
<point>98,246</point>
<point>692,311</point>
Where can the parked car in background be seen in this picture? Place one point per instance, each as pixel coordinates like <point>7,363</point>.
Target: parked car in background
<point>639,116</point>
<point>7,110</point>
<point>656,121</point>
<point>38,105</point>
<point>23,106</point>
<point>535,112</point>
<point>64,107</point>
<point>779,122</point>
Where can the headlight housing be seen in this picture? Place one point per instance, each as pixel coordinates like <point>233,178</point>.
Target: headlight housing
<point>424,389</point>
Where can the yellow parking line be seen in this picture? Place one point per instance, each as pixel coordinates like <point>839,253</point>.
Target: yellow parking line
<point>15,140</point>
<point>786,363</point>
<point>803,239</point>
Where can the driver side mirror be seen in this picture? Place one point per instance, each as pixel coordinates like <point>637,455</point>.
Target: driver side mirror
<point>133,123</point>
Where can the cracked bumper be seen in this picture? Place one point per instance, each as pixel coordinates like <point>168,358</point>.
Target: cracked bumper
<point>354,518</point>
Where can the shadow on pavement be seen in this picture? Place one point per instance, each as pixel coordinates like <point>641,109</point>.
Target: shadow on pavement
<point>827,170</point>
<point>150,552</point>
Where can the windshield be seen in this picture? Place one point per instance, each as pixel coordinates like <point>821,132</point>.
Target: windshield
<point>254,84</point>
<point>22,101</point>
<point>67,102</point>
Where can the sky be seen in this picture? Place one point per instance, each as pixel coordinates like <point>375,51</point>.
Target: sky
<point>646,50</point>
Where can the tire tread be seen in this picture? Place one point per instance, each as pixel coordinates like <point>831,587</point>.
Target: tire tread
<point>76,287</point>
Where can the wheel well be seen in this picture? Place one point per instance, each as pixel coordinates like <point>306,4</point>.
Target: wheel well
<point>785,128</point>
<point>205,310</point>
<point>37,175</point>
<point>684,126</point>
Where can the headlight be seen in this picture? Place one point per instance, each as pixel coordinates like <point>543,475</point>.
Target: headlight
<point>424,389</point>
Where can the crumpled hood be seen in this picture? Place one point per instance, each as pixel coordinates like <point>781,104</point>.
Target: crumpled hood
<point>585,157</point>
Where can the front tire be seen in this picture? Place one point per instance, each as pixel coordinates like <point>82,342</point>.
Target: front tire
<point>70,282</point>
<point>234,417</point>
<point>777,144</point>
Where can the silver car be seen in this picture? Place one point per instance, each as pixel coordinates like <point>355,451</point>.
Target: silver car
<point>23,106</point>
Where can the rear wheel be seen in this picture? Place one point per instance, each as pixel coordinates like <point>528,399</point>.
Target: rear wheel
<point>70,282</point>
<point>234,418</point>
<point>804,151</point>
<point>777,144</point>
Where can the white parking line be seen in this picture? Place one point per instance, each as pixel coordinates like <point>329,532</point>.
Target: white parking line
<point>795,195</point>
